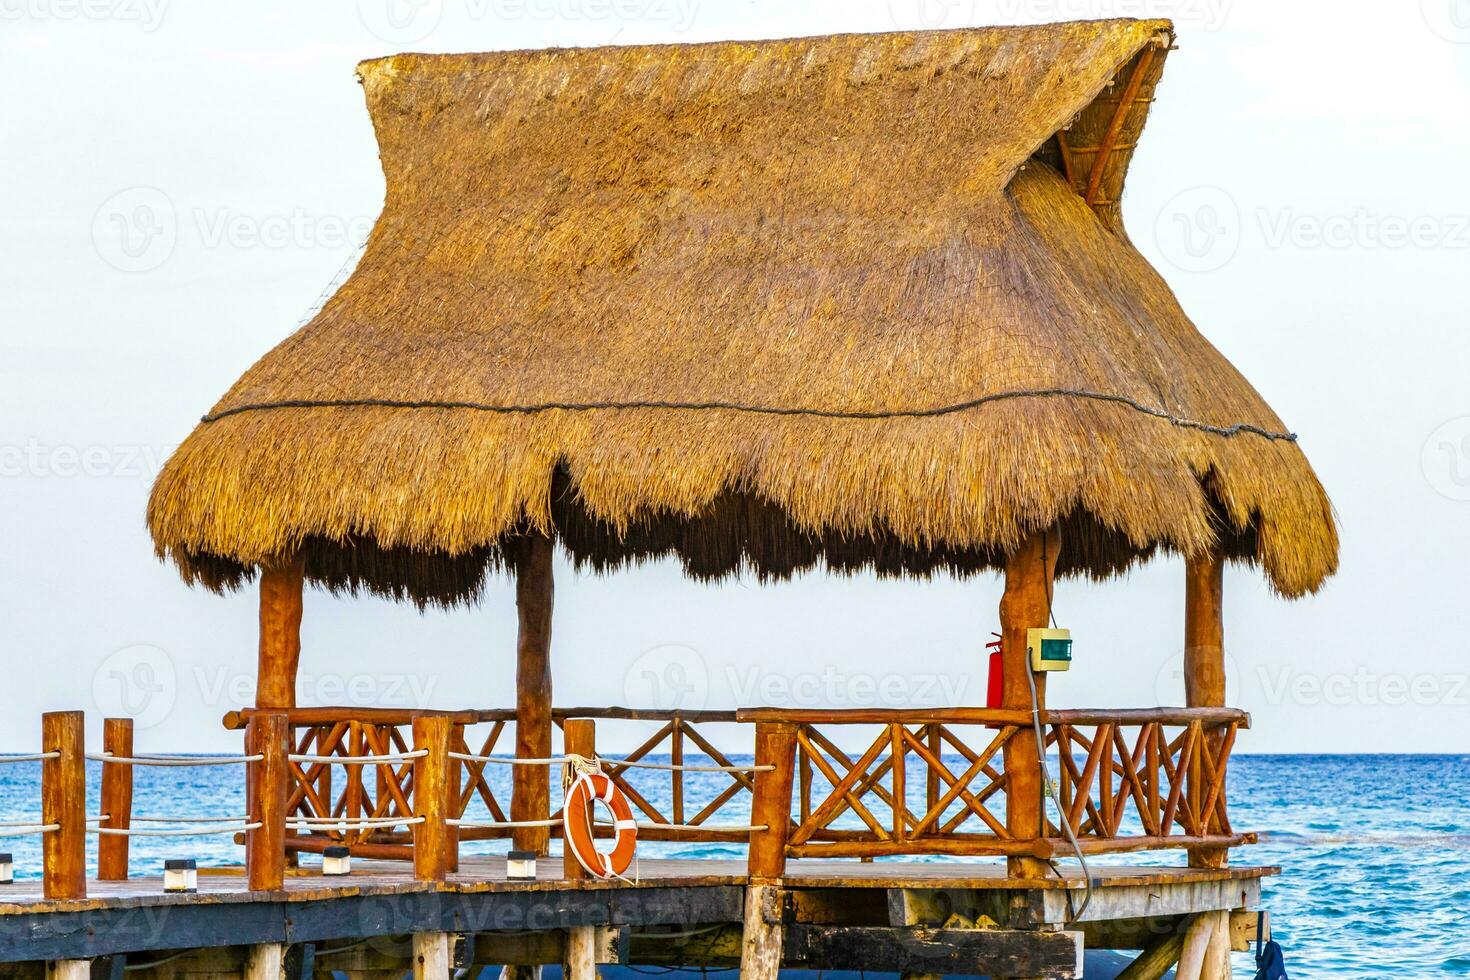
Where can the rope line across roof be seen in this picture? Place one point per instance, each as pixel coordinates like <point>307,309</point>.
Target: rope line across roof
<point>829,413</point>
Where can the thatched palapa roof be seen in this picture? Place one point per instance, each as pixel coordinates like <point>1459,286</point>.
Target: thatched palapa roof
<point>859,300</point>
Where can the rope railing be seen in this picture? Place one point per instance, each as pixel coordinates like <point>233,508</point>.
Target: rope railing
<point>691,828</point>
<point>30,757</point>
<point>173,831</point>
<point>172,760</point>
<point>352,823</point>
<point>25,830</point>
<point>680,767</point>
<point>617,763</point>
<point>158,818</point>
<point>500,824</point>
<point>37,822</point>
<point>500,760</point>
<point>358,760</point>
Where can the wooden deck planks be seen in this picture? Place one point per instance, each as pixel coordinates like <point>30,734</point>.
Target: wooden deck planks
<point>487,874</point>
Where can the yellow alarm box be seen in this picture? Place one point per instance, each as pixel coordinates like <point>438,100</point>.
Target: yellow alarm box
<point>1050,649</point>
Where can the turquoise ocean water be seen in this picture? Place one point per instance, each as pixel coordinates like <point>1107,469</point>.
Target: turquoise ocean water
<point>1374,850</point>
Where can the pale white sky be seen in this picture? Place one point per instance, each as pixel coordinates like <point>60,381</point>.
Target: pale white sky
<point>183,178</point>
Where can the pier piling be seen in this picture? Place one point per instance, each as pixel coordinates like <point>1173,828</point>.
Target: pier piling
<point>266,961</point>
<point>268,736</point>
<point>431,956</point>
<point>69,970</point>
<point>64,804</point>
<point>579,737</point>
<point>431,735</point>
<point>117,800</point>
<point>770,813</point>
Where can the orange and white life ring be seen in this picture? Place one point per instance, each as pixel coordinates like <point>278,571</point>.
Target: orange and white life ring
<point>576,820</point>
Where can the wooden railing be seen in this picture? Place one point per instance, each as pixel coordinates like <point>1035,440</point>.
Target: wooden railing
<point>380,792</point>
<point>916,782</point>
<point>920,782</point>
<point>933,782</point>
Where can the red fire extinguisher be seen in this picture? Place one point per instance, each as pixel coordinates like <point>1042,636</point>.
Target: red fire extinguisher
<point>995,686</point>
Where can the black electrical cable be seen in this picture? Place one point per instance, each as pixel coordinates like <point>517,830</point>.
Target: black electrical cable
<point>826,413</point>
<point>1049,787</point>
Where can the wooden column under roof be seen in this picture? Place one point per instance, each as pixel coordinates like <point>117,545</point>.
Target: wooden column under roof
<point>531,795</point>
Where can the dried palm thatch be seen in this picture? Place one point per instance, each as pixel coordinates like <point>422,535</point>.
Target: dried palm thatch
<point>857,300</point>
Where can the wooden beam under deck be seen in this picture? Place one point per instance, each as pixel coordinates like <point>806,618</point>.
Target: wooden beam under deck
<point>682,897</point>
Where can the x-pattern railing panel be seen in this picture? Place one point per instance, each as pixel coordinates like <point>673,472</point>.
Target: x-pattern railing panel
<point>475,780</point>
<point>879,778</point>
<point>313,793</point>
<point>1168,784</point>
<point>1122,778</point>
<point>677,735</point>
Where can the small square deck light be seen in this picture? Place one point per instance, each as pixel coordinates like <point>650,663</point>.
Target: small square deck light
<point>520,866</point>
<point>180,875</point>
<point>336,860</point>
<point>7,869</point>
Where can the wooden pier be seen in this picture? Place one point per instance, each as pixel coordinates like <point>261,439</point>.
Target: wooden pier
<point>405,789</point>
<point>886,916</point>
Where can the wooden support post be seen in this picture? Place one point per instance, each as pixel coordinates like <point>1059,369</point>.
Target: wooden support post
<point>1156,959</point>
<point>266,961</point>
<point>455,777</point>
<point>64,804</point>
<point>775,746</point>
<point>117,800</point>
<point>431,956</point>
<point>431,791</point>
<point>1217,953</point>
<point>1204,677</point>
<point>760,948</point>
<point>579,737</point>
<point>763,935</point>
<point>69,970</point>
<point>1026,604</point>
<point>580,959</point>
<point>267,735</point>
<point>531,785</point>
<point>280,635</point>
<point>1193,954</point>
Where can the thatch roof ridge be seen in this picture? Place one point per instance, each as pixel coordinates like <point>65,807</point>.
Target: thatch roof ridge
<point>656,304</point>
<point>404,63</point>
<point>1101,48</point>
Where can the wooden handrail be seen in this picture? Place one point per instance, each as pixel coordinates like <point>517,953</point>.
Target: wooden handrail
<point>996,716</point>
<point>812,716</point>
<point>703,715</point>
<point>239,718</point>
